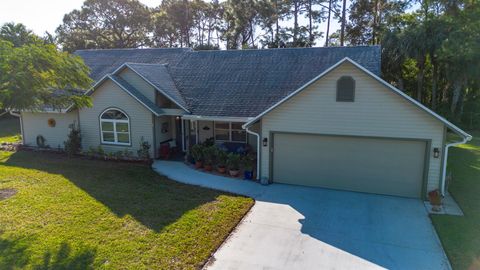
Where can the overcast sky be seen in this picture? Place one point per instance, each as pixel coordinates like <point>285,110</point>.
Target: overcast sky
<point>47,15</point>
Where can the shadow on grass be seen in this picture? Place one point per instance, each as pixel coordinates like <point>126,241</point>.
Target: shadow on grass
<point>64,259</point>
<point>14,254</point>
<point>126,189</point>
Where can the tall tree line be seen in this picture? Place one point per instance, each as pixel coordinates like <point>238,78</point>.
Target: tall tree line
<point>200,24</point>
<point>430,48</point>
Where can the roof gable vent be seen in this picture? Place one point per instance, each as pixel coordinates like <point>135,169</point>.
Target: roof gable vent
<point>346,89</point>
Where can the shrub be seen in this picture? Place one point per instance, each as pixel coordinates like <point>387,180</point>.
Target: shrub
<point>197,152</point>
<point>119,155</point>
<point>209,154</point>
<point>127,154</point>
<point>41,141</point>
<point>209,142</point>
<point>73,145</point>
<point>233,161</point>
<point>91,152</point>
<point>221,157</point>
<point>100,151</point>
<point>144,151</point>
<point>247,162</point>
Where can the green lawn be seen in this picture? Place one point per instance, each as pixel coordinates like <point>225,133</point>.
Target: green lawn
<point>9,128</point>
<point>84,214</point>
<point>460,236</point>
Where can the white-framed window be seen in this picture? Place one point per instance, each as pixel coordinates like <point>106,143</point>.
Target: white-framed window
<point>115,127</point>
<point>230,132</point>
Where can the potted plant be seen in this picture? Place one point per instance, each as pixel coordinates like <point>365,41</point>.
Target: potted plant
<point>247,162</point>
<point>208,156</point>
<point>221,158</point>
<point>233,163</point>
<point>435,200</point>
<point>197,154</point>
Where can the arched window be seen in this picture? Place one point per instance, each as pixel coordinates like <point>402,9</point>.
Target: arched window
<point>115,127</point>
<point>346,89</point>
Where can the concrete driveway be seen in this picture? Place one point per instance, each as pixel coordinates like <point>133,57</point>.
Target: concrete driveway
<point>293,227</point>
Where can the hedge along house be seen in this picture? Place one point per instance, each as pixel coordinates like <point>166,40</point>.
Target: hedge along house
<point>314,116</point>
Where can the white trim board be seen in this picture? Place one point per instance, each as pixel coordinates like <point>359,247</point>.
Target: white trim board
<point>216,118</point>
<point>391,87</point>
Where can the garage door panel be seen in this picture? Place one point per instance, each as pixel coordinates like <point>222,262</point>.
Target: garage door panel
<point>384,166</point>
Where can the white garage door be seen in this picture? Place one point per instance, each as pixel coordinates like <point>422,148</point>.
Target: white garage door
<point>373,165</point>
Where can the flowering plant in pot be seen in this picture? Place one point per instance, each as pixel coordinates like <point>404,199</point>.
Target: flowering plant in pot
<point>233,163</point>
<point>221,159</point>
<point>435,199</point>
<point>247,162</point>
<point>197,154</point>
<point>208,157</point>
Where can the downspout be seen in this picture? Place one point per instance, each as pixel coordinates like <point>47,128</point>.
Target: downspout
<point>444,173</point>
<point>21,124</point>
<point>258,150</point>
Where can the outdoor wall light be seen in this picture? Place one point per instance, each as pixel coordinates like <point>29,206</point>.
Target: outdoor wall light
<point>436,152</point>
<point>265,141</point>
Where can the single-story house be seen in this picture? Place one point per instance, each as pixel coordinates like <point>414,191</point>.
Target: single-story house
<point>314,116</point>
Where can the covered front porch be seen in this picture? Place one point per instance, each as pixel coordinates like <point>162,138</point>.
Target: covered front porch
<point>176,134</point>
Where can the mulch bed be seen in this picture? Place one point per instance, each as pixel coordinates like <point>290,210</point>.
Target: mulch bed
<point>7,193</point>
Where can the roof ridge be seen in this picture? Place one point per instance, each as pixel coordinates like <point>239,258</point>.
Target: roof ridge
<point>146,64</point>
<point>131,49</point>
<point>288,49</point>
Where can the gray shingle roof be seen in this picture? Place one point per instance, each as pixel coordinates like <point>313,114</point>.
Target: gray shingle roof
<point>134,92</point>
<point>102,62</point>
<point>240,83</point>
<point>158,76</point>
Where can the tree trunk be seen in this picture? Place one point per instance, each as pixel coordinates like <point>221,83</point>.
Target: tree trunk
<point>344,20</point>
<point>420,84</point>
<point>310,26</point>
<point>295,23</point>
<point>435,72</point>
<point>375,22</point>
<point>251,34</point>
<point>401,84</point>
<point>457,90</point>
<point>187,19</point>
<point>328,22</point>
<point>277,29</point>
<point>420,77</point>
<point>209,33</point>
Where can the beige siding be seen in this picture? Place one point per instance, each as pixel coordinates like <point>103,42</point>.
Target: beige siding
<point>377,111</point>
<point>139,83</point>
<point>35,124</point>
<point>205,134</point>
<point>146,89</point>
<point>109,95</point>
